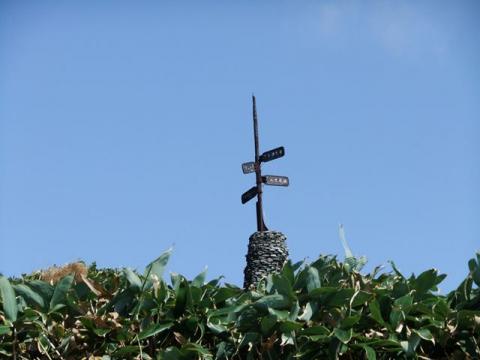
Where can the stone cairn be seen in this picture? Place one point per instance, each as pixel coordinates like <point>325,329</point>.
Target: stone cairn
<point>267,253</point>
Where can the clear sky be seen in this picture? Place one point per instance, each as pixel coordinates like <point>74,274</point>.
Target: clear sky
<point>123,125</point>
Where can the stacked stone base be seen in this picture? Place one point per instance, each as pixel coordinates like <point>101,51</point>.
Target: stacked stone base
<point>267,253</point>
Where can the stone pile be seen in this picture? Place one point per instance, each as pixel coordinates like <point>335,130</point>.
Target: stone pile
<point>267,253</point>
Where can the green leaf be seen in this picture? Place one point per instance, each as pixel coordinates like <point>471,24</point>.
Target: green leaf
<point>57,308</point>
<point>60,292</point>
<point>294,311</point>
<point>355,263</point>
<point>127,350</point>
<point>474,266</point>
<point>425,334</point>
<point>468,319</point>
<point>215,325</point>
<point>287,326</point>
<point>30,296</point>
<point>360,298</point>
<point>157,266</point>
<point>464,290</point>
<point>162,293</point>
<point>301,279</point>
<point>183,299</point>
<point>288,272</point>
<point>154,329</point>
<point>427,281</point>
<point>325,290</point>
<point>171,353</point>
<point>249,337</point>
<point>8,298</point>
<point>340,297</point>
<point>441,308</point>
<point>101,331</point>
<point>247,319</point>
<point>343,335</point>
<point>334,348</point>
<point>225,293</point>
<point>349,321</point>
<point>315,330</point>
<point>275,301</point>
<point>405,301</point>
<point>123,301</point>
<point>5,330</point>
<point>222,352</point>
<point>195,349</point>
<point>44,289</point>
<point>391,345</point>
<point>396,317</point>
<point>280,314</point>
<point>176,280</point>
<point>411,345</point>
<point>133,279</point>
<point>375,312</point>
<point>283,286</point>
<point>267,323</point>
<point>313,279</point>
<point>395,269</point>
<point>199,280</point>
<point>332,296</point>
<point>369,352</point>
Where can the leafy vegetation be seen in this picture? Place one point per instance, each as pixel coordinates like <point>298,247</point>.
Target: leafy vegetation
<point>319,310</point>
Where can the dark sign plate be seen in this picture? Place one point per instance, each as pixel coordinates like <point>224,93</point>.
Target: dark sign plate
<point>272,154</point>
<point>249,195</point>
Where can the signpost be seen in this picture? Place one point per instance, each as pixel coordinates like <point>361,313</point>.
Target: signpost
<point>255,166</point>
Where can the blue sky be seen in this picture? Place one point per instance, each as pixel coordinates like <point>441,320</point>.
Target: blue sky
<point>123,126</point>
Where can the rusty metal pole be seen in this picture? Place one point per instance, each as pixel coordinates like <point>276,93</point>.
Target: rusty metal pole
<point>258,171</point>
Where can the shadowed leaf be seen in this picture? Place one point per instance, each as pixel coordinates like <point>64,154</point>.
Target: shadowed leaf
<point>8,298</point>
<point>60,292</point>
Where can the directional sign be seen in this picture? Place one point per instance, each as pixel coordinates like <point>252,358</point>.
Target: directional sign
<point>275,180</point>
<point>249,195</point>
<point>248,167</point>
<point>272,154</point>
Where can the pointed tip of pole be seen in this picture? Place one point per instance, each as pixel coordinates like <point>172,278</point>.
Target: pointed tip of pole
<point>253,95</point>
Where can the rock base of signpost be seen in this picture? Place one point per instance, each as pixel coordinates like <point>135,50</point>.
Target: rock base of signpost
<point>267,253</point>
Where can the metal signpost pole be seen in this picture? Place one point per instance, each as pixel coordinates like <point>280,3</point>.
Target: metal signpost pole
<point>258,170</point>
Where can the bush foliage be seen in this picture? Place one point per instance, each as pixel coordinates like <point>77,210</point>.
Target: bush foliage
<point>320,310</point>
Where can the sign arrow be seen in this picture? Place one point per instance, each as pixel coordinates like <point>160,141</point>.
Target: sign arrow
<point>249,194</point>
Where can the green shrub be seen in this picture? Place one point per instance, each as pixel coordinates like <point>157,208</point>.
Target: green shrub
<point>322,310</point>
